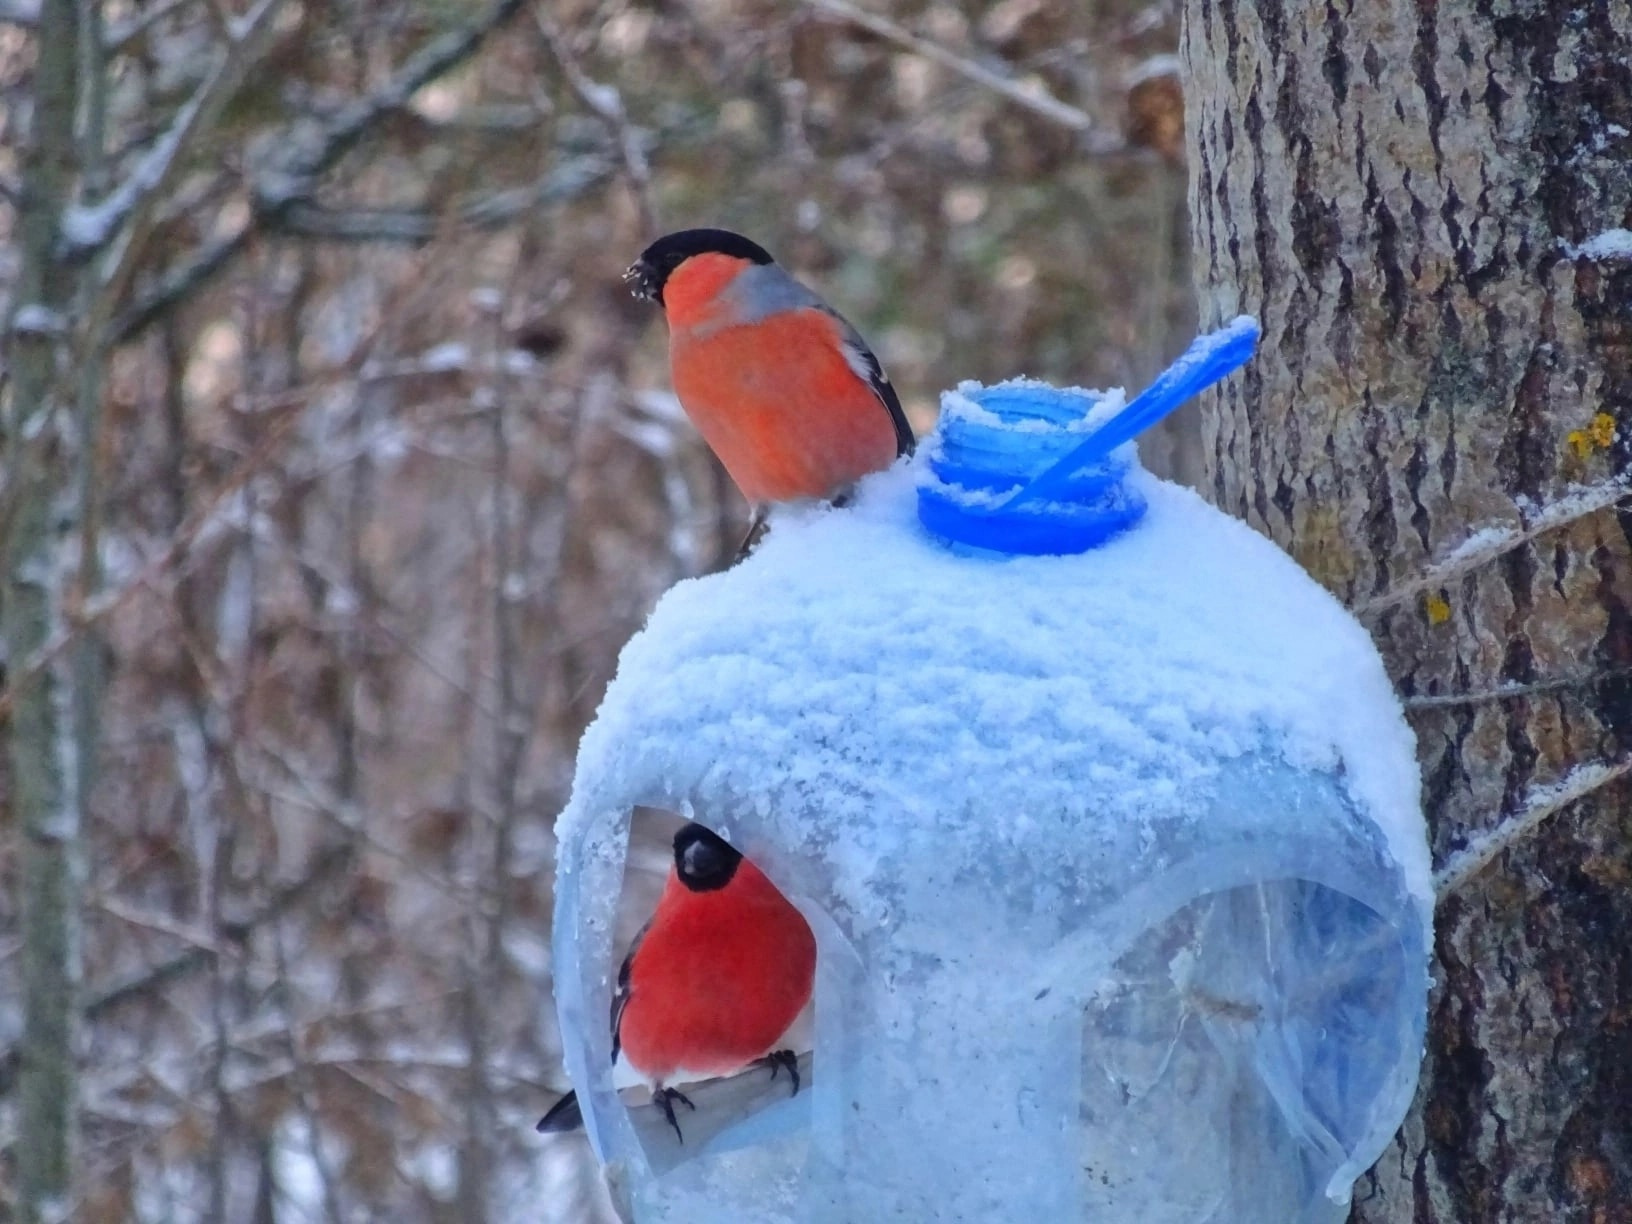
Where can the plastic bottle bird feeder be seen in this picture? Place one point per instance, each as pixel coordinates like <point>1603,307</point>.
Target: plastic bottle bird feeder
<point>1103,813</point>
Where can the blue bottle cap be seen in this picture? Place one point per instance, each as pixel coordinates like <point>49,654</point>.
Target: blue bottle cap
<point>1026,468</point>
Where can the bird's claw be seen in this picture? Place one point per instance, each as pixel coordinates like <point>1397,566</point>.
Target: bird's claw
<point>664,1099</point>
<point>756,532</point>
<point>780,1060</point>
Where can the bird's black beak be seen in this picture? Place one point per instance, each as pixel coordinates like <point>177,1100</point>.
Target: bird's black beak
<point>641,278</point>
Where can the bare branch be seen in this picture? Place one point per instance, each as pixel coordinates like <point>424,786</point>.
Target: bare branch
<point>1024,93</point>
<point>607,104</point>
<point>89,228</point>
<point>343,132</point>
<point>1542,802</point>
<point>301,1079</point>
<point>411,226</point>
<point>290,186</point>
<point>128,31</point>
<point>148,983</point>
<point>26,14</point>
<point>178,283</point>
<point>1515,692</point>
<point>316,797</point>
<point>105,603</point>
<point>1491,543</point>
<point>162,924</point>
<point>151,982</point>
<point>326,866</point>
<point>571,179</point>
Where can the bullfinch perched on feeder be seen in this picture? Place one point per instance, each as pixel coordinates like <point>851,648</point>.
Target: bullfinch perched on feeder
<point>782,388</point>
<point>712,983</point>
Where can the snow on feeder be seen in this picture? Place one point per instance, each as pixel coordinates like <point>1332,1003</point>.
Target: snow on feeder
<point>1104,816</point>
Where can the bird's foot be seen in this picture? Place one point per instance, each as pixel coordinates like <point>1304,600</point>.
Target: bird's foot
<point>756,532</point>
<point>664,1099</point>
<point>782,1060</point>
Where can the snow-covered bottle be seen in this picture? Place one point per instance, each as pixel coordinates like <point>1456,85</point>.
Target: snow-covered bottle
<point>1104,815</point>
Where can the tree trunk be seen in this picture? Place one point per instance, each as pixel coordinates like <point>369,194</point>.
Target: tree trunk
<point>39,519</point>
<point>1407,195</point>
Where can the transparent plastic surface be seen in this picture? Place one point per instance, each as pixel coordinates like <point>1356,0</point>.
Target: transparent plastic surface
<point>1256,1031</point>
<point>1214,1018</point>
<point>757,1182</point>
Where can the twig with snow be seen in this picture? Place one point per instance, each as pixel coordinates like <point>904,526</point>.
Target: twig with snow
<point>1515,692</point>
<point>1033,97</point>
<point>607,104</point>
<point>88,228</point>
<point>1539,804</point>
<point>1490,543</point>
<point>287,188</point>
<point>354,121</point>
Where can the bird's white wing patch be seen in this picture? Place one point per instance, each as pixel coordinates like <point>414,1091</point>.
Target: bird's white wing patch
<point>860,358</point>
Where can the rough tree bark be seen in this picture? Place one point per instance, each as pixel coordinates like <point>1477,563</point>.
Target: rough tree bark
<point>1406,193</point>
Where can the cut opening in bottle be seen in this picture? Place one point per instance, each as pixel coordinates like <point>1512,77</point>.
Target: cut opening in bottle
<point>1260,1031</point>
<point>709,971</point>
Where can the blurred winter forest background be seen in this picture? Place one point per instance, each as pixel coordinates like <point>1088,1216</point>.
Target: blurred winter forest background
<point>342,465</point>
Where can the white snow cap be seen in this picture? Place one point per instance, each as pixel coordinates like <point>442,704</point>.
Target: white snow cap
<point>853,659</point>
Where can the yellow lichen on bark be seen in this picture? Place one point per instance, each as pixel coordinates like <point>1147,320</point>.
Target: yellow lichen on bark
<point>1598,435</point>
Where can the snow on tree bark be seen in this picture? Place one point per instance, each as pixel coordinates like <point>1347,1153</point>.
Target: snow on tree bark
<point>1414,198</point>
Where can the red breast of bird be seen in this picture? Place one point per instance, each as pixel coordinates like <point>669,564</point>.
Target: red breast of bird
<point>781,387</point>
<point>718,977</point>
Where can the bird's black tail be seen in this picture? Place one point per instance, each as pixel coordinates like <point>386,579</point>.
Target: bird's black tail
<point>565,1115</point>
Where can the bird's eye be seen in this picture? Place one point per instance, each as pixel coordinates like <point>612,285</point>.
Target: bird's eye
<point>702,859</point>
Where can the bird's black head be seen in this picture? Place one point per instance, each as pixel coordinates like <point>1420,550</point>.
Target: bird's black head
<point>703,860</point>
<point>648,274</point>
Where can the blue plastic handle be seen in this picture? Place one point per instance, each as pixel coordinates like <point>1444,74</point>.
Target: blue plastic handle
<point>1009,473</point>
<point>1208,359</point>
